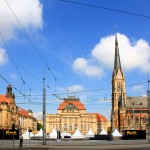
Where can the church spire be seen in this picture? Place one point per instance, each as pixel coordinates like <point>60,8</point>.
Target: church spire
<point>117,63</point>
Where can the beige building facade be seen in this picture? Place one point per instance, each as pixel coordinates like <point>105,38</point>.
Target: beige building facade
<point>10,113</point>
<point>72,115</point>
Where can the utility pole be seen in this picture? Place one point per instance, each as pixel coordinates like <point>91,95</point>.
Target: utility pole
<point>44,113</point>
<point>148,100</point>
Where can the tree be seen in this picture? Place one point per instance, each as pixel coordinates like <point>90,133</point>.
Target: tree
<point>39,126</point>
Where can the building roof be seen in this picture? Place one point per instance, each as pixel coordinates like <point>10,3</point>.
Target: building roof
<point>4,98</point>
<point>22,112</point>
<point>99,117</point>
<point>136,102</point>
<point>74,104</point>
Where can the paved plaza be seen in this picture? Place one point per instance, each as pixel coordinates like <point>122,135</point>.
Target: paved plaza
<point>77,144</point>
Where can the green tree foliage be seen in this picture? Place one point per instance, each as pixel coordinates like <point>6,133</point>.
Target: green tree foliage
<point>39,126</point>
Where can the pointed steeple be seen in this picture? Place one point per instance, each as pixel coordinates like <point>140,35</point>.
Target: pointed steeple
<point>117,63</point>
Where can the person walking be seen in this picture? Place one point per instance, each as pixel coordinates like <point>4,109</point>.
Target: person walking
<point>21,141</point>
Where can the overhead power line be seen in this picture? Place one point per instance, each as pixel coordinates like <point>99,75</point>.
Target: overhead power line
<point>33,45</point>
<point>106,8</point>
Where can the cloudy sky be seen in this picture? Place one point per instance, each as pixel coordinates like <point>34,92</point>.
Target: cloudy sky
<point>72,46</point>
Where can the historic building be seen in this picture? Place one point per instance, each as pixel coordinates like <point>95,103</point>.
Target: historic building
<point>10,113</point>
<point>128,112</point>
<point>72,115</point>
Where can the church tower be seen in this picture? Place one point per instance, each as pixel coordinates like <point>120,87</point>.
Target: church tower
<point>118,92</point>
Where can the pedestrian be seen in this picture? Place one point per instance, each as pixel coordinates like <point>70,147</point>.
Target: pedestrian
<point>21,141</point>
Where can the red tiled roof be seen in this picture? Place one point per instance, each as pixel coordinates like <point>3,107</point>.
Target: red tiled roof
<point>23,112</point>
<point>4,98</point>
<point>99,117</point>
<point>78,104</point>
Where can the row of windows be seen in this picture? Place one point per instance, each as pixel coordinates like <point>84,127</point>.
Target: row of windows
<point>70,118</point>
<point>137,120</point>
<point>71,127</point>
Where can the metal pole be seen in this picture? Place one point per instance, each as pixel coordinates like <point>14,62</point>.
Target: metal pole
<point>13,139</point>
<point>44,114</point>
<point>140,115</point>
<point>148,112</point>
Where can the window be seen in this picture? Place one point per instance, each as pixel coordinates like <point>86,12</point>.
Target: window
<point>59,126</point>
<point>119,86</point>
<point>65,126</point>
<point>81,127</point>
<point>84,127</point>
<point>136,119</point>
<point>70,127</point>
<point>75,126</point>
<point>144,120</point>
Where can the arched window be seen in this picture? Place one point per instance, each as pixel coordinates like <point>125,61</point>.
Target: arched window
<point>136,119</point>
<point>75,126</point>
<point>119,86</point>
<point>144,120</point>
<point>65,126</point>
<point>70,127</point>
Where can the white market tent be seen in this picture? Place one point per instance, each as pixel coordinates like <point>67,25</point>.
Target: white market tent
<point>77,135</point>
<point>53,134</point>
<point>89,134</point>
<point>103,132</point>
<point>116,133</point>
<point>26,135</point>
<point>40,133</point>
<point>63,134</point>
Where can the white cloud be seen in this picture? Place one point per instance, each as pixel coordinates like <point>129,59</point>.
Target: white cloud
<point>28,12</point>
<point>38,115</point>
<point>75,88</point>
<point>133,56</point>
<point>83,66</point>
<point>3,56</point>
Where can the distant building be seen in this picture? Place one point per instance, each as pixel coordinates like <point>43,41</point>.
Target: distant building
<point>127,112</point>
<point>10,113</point>
<point>72,115</point>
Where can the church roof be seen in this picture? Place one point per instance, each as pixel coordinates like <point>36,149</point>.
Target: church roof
<point>117,63</point>
<point>4,98</point>
<point>136,102</point>
<point>72,104</point>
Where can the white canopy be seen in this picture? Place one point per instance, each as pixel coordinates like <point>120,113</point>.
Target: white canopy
<point>26,135</point>
<point>77,135</point>
<point>103,132</point>
<point>65,134</point>
<point>116,133</point>
<point>53,134</point>
<point>90,133</point>
<point>40,133</point>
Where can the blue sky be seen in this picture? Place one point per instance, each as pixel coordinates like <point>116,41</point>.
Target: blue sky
<point>76,43</point>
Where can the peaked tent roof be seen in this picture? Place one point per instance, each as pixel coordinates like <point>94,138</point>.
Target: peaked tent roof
<point>90,133</point>
<point>77,135</point>
<point>26,135</point>
<point>116,133</point>
<point>40,133</point>
<point>103,132</point>
<point>53,134</point>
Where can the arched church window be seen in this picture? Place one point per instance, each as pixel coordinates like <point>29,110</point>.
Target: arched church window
<point>144,120</point>
<point>119,86</point>
<point>136,119</point>
<point>129,120</point>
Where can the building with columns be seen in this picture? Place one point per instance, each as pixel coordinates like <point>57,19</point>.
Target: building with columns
<point>128,112</point>
<point>72,115</point>
<point>11,113</point>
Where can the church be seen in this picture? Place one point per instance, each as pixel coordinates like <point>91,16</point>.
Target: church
<point>128,112</point>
